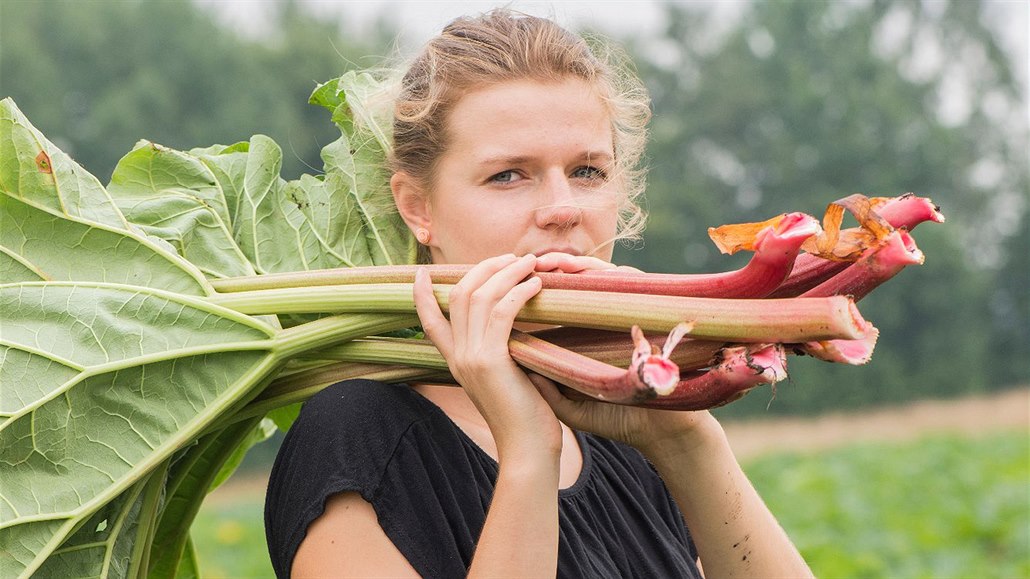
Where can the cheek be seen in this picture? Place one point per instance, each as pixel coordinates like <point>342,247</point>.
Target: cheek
<point>605,220</point>
<point>482,232</point>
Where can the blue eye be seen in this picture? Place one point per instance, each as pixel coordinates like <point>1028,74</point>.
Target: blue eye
<point>588,172</point>
<point>505,177</point>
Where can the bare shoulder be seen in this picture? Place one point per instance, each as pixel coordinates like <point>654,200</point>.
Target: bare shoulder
<point>346,540</point>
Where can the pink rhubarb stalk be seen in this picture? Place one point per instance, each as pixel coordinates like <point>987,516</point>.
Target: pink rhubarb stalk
<point>904,212</point>
<point>739,369</point>
<point>851,352</point>
<point>616,348</point>
<point>650,373</point>
<point>776,244</point>
<point>875,267</point>
<point>907,211</point>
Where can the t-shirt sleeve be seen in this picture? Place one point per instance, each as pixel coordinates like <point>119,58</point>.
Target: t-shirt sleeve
<point>342,440</point>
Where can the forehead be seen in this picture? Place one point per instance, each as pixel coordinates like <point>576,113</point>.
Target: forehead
<point>569,113</point>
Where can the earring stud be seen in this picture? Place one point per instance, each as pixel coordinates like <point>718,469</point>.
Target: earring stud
<point>422,235</point>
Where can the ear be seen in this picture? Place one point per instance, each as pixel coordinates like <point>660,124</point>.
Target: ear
<point>412,202</point>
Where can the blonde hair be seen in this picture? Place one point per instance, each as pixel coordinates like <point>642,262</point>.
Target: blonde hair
<point>500,46</point>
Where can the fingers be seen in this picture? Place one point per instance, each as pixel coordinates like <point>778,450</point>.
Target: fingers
<point>571,412</point>
<point>482,309</point>
<point>460,293</point>
<point>436,326</point>
<point>568,263</point>
<point>489,297</point>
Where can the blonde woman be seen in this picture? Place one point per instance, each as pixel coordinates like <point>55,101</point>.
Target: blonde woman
<point>517,149</point>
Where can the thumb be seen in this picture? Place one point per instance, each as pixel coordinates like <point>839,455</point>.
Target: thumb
<point>565,409</point>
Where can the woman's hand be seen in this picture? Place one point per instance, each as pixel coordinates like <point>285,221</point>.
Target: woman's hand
<point>648,430</point>
<point>474,341</point>
<point>568,263</point>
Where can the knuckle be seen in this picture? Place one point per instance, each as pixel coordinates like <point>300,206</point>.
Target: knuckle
<point>458,293</point>
<point>478,298</point>
<point>470,366</point>
<point>503,312</point>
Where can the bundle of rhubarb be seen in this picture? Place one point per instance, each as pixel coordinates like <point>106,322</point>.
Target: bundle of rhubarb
<point>727,332</point>
<point>151,329</point>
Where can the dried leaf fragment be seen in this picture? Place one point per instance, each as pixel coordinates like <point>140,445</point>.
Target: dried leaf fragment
<point>735,237</point>
<point>848,244</point>
<point>43,162</point>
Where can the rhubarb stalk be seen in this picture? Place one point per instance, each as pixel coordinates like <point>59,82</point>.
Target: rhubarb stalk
<point>875,267</point>
<point>738,370</point>
<point>776,244</point>
<point>743,320</point>
<point>904,212</point>
<point>650,373</point>
<point>616,348</point>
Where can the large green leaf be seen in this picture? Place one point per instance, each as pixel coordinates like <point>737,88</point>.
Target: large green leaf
<point>174,196</point>
<point>154,369</point>
<point>108,364</point>
<point>111,542</point>
<point>36,171</point>
<point>268,214</point>
<point>228,211</point>
<point>54,247</point>
<point>58,223</point>
<point>355,163</point>
<point>191,476</point>
<point>119,380</point>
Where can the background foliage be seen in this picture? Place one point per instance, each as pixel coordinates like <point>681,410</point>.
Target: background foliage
<point>803,102</point>
<point>792,105</point>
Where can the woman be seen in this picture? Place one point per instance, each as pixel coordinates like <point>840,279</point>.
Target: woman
<point>515,149</point>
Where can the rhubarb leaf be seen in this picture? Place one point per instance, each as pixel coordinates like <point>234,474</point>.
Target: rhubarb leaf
<point>154,370</point>
<point>268,222</point>
<point>115,367</point>
<point>356,162</point>
<point>189,480</point>
<point>34,170</point>
<point>58,223</point>
<point>174,196</point>
<point>227,210</point>
<point>103,545</point>
<point>62,247</point>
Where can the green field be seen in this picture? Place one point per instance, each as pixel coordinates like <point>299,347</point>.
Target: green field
<point>940,507</point>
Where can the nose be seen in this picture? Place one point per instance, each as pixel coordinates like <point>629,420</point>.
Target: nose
<point>559,208</point>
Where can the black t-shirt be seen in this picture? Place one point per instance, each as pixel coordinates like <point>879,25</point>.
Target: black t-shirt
<point>430,486</point>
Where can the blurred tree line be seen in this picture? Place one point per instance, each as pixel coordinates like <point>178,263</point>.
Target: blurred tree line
<point>790,106</point>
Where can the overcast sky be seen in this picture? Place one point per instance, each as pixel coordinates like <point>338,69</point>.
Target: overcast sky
<point>417,21</point>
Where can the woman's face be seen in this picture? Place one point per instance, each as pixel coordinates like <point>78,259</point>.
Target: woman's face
<point>528,169</point>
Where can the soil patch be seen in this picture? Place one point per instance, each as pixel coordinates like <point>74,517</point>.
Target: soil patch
<point>971,416</point>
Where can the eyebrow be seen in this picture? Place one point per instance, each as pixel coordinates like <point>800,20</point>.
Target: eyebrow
<point>602,156</point>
